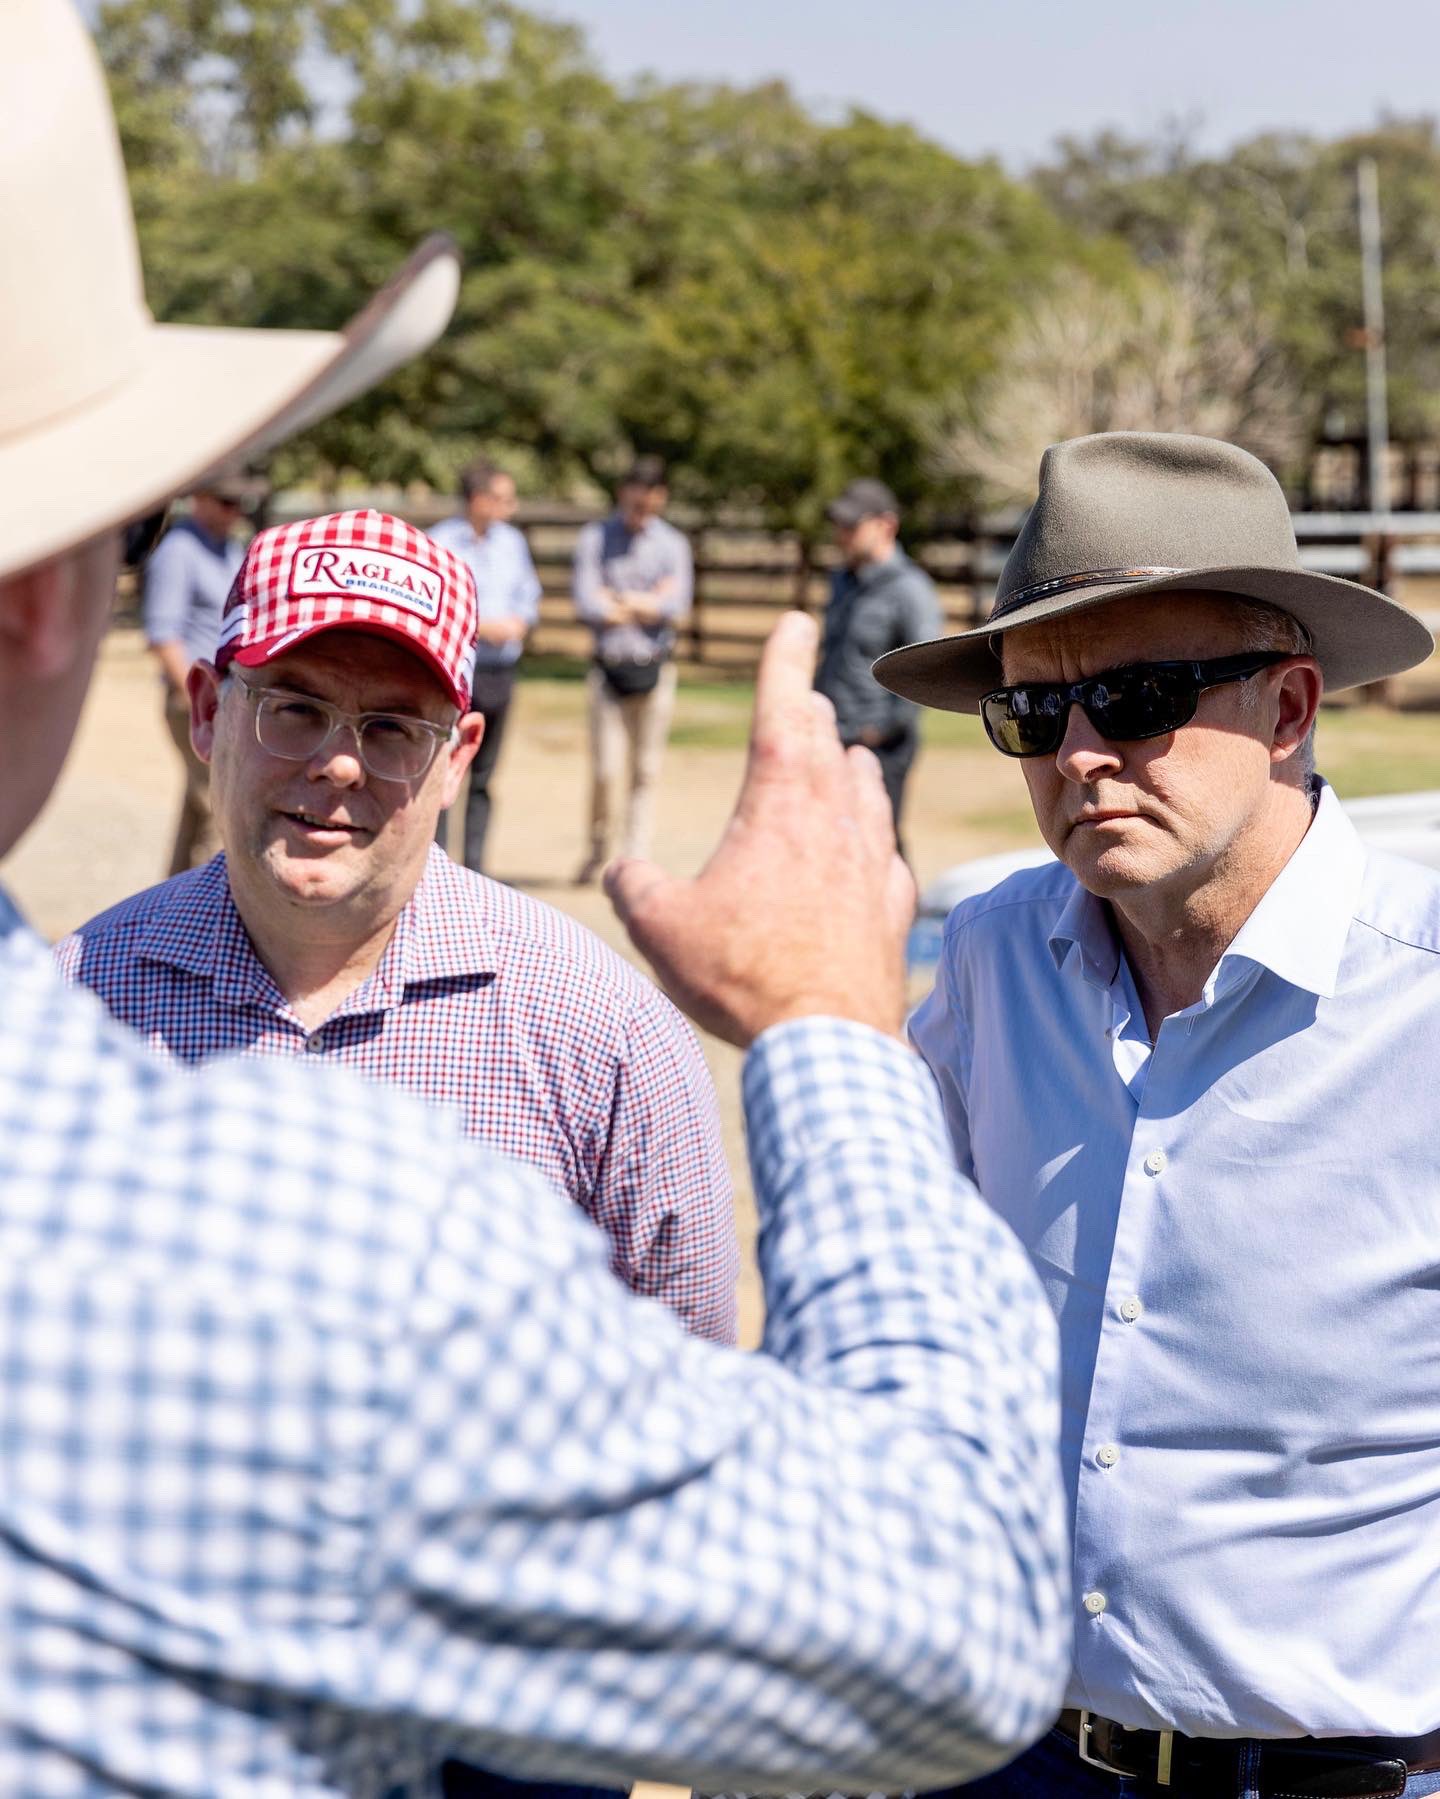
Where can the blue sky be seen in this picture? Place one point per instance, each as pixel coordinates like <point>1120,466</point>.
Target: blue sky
<point>1009,76</point>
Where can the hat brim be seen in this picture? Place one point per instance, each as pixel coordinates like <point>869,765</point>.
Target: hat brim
<point>200,398</point>
<point>260,655</point>
<point>1358,634</point>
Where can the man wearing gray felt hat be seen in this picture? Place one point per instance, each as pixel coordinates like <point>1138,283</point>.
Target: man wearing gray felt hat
<point>1192,1063</point>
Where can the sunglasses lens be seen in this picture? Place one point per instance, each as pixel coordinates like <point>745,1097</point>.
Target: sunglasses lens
<point>1142,702</point>
<point>1024,721</point>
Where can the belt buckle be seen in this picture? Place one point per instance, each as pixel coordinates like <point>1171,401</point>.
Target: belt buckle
<point>1162,1760</point>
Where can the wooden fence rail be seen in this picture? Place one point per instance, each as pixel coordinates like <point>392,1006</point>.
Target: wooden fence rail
<point>745,574</point>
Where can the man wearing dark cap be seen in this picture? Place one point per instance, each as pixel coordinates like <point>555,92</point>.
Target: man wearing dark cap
<point>1193,1064</point>
<point>879,600</point>
<point>185,585</point>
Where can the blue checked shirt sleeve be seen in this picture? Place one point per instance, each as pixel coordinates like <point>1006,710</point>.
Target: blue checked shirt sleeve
<point>609,1549</point>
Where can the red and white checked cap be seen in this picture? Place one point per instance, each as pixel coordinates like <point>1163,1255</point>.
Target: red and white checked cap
<point>360,571</point>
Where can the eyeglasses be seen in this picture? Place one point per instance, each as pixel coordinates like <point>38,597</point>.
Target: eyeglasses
<point>1143,699</point>
<point>393,746</point>
<point>140,538</point>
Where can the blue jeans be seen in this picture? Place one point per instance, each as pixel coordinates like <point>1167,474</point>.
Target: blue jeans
<point>1053,1770</point>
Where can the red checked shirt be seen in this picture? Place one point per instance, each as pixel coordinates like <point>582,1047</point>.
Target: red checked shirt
<point>552,1048</point>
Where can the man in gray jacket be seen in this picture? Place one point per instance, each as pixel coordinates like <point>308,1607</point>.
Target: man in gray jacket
<point>879,601</point>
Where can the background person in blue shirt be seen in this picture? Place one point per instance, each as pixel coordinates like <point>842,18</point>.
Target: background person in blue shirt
<point>633,582</point>
<point>185,585</point>
<point>1194,1065</point>
<point>507,592</point>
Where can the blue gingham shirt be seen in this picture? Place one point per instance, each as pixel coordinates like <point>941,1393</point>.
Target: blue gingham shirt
<point>329,1446</point>
<point>506,585</point>
<point>1239,1230</point>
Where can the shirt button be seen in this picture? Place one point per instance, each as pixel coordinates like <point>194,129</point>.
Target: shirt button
<point>1107,1455</point>
<point>1155,1162</point>
<point>314,1045</point>
<point>1130,1309</point>
<point>1094,1603</point>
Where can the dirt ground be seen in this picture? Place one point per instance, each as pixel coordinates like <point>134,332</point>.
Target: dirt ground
<point>107,831</point>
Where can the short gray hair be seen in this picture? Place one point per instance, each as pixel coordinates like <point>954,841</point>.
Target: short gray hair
<point>1266,627</point>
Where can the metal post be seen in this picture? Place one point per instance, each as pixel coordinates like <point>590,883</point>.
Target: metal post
<point>1377,418</point>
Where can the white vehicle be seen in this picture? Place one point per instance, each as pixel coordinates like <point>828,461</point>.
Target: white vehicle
<point>1405,824</point>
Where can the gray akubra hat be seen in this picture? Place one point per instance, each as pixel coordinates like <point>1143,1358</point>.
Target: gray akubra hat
<point>1150,512</point>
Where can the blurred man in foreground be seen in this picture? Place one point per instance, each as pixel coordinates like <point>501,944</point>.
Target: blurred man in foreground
<point>336,717</point>
<point>331,1446</point>
<point>1193,1064</point>
<point>879,600</point>
<point>185,584</point>
<point>507,593</point>
<point>633,585</point>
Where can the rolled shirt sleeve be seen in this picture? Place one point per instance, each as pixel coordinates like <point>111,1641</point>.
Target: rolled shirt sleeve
<point>588,578</point>
<point>165,604</point>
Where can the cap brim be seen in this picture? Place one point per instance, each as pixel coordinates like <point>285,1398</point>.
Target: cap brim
<point>258,655</point>
<point>1359,635</point>
<point>200,399</point>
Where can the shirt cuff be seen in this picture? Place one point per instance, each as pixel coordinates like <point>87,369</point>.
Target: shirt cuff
<point>814,1082</point>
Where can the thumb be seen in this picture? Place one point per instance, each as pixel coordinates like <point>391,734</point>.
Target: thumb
<point>635,888</point>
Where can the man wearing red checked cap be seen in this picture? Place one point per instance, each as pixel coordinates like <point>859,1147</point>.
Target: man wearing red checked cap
<point>336,719</point>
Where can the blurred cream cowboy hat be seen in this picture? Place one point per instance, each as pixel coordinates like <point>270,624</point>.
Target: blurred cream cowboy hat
<point>103,413</point>
<point>1159,514</point>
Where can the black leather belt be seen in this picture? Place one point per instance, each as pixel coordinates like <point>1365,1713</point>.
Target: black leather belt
<point>1290,1768</point>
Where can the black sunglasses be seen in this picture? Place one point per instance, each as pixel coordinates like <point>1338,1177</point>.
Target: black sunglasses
<point>1143,699</point>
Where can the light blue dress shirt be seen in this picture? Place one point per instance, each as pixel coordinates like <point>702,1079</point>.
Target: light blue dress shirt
<point>1239,1231</point>
<point>506,585</point>
<point>609,554</point>
<point>187,582</point>
<point>330,1447</point>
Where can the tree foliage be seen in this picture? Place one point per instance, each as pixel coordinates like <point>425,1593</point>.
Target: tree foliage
<point>775,301</point>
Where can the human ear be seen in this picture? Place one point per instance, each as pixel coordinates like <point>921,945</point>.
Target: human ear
<point>1296,694</point>
<point>202,687</point>
<point>470,729</point>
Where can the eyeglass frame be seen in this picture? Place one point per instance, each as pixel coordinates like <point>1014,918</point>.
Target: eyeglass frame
<point>439,735</point>
<point>1205,673</point>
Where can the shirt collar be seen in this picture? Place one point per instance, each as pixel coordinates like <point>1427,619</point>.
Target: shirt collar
<point>205,936</point>
<point>1298,930</point>
<point>439,935</point>
<point>1083,934</point>
<point>444,932</point>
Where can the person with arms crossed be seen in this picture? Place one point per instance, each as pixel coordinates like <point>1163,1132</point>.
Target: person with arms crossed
<point>507,593</point>
<point>331,1445</point>
<point>1193,1065</point>
<point>879,600</point>
<point>184,589</point>
<point>633,585</point>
